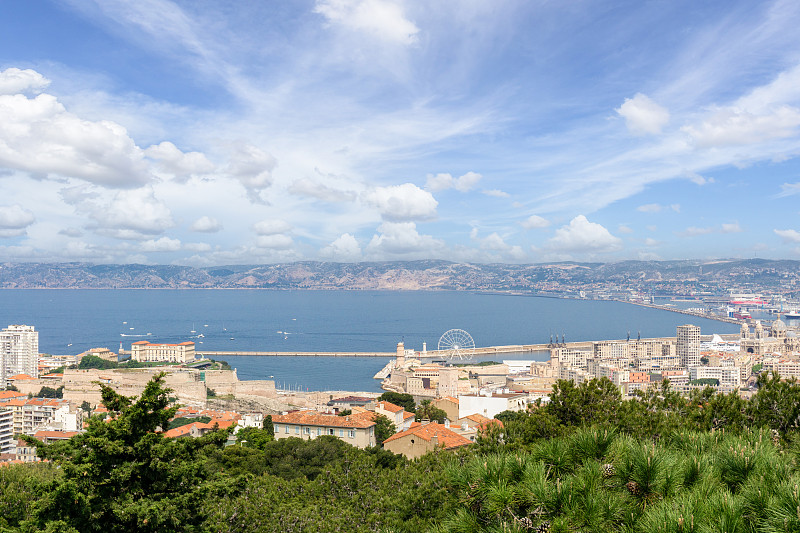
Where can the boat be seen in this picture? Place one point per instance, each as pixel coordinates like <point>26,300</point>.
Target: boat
<point>792,314</point>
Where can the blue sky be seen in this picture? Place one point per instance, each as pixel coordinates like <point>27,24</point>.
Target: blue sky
<point>209,133</point>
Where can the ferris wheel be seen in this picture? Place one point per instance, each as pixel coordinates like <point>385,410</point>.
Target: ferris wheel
<point>456,344</point>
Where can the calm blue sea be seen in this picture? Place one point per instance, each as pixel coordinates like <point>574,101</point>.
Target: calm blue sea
<point>72,321</point>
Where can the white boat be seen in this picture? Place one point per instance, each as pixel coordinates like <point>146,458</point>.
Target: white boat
<point>792,314</point>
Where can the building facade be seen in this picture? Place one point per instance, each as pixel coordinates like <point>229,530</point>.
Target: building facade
<point>688,345</point>
<point>147,352</point>
<point>356,429</point>
<point>19,352</point>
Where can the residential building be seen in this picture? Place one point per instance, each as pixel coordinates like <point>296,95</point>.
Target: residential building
<point>396,415</point>
<point>421,439</point>
<point>19,352</point>
<point>489,404</point>
<point>688,345</point>
<point>147,352</point>
<point>6,431</point>
<point>356,429</point>
<point>24,452</point>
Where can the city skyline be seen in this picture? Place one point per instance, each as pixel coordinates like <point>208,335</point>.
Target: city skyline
<point>343,130</point>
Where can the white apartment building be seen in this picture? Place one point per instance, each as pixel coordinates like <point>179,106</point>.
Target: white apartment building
<point>147,352</point>
<point>688,345</point>
<point>19,352</point>
<point>728,376</point>
<point>7,442</point>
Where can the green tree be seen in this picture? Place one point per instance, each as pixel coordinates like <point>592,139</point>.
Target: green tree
<point>267,424</point>
<point>384,428</point>
<point>406,401</point>
<point>49,392</point>
<point>123,475</point>
<point>92,361</point>
<point>593,401</point>
<point>254,437</point>
<point>86,406</point>
<point>776,405</point>
<point>427,410</point>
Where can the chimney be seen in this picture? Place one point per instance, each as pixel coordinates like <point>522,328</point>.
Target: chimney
<point>425,421</point>
<point>435,441</point>
<point>447,422</point>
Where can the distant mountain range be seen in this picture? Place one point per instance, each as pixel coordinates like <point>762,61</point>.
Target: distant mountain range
<point>557,278</point>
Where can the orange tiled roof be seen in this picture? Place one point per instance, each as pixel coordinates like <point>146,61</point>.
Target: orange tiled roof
<point>389,406</point>
<point>450,398</point>
<point>406,416</point>
<point>479,418</point>
<point>17,403</point>
<point>55,434</point>
<point>313,418</point>
<point>446,437</point>
<point>21,376</point>
<point>10,394</point>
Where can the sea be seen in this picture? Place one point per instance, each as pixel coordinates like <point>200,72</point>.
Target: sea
<point>71,321</point>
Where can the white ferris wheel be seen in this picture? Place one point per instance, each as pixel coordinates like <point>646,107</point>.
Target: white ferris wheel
<point>456,345</point>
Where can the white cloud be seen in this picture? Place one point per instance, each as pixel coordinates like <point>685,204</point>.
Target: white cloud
<point>129,214</point>
<point>164,244</point>
<point>731,227</point>
<point>70,232</point>
<point>252,167</point>
<point>182,165</point>
<point>275,242</point>
<point>497,193</point>
<point>344,248</point>
<point>693,231</point>
<point>657,208</point>
<point>649,241</point>
<point>622,228</point>
<point>581,236</point>
<point>206,224</point>
<point>404,202</point>
<point>732,127</point>
<point>271,227</point>
<point>788,235</point>
<point>382,19</point>
<point>697,179</point>
<point>402,238</point>
<point>38,136</point>
<point>789,189</point>
<point>320,191</point>
<point>15,218</point>
<point>535,221</point>
<point>643,116</point>
<point>14,81</point>
<point>465,183</point>
<point>197,246</point>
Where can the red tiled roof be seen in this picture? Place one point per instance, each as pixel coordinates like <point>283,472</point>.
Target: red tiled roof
<point>55,434</point>
<point>446,437</point>
<point>406,416</point>
<point>313,418</point>
<point>389,406</point>
<point>21,376</point>
<point>11,394</point>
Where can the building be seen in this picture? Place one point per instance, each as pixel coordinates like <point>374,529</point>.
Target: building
<point>356,429</point>
<point>489,404</point>
<point>396,415</point>
<point>19,352</point>
<point>146,352</point>
<point>7,442</point>
<point>688,345</point>
<point>421,439</point>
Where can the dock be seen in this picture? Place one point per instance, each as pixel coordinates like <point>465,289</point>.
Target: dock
<point>297,354</point>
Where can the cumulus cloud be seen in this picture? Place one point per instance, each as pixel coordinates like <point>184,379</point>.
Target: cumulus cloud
<point>182,165</point>
<point>14,81</point>
<point>70,232</point>
<point>164,244</point>
<point>382,19</point>
<point>344,248</point>
<point>535,221</point>
<point>39,136</point>
<point>129,214</point>
<point>206,224</point>
<point>14,219</point>
<point>320,191</point>
<point>465,183</point>
<point>197,246</point>
<point>252,167</point>
<point>732,127</point>
<point>402,238</point>
<point>398,203</point>
<point>643,116</point>
<point>275,242</point>
<point>788,235</point>
<point>271,227</point>
<point>581,236</point>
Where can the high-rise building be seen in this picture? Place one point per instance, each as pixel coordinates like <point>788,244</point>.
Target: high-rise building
<point>7,442</point>
<point>19,352</point>
<point>688,345</point>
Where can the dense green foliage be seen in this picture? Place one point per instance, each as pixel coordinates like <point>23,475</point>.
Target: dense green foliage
<point>406,401</point>
<point>586,461</point>
<point>185,420</point>
<point>92,361</point>
<point>50,392</point>
<point>426,410</point>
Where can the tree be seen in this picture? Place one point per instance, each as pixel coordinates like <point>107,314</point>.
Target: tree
<point>254,437</point>
<point>92,361</point>
<point>776,405</point>
<point>86,406</point>
<point>49,392</point>
<point>406,401</point>
<point>123,475</point>
<point>12,387</point>
<point>384,428</point>
<point>431,412</point>
<point>267,424</point>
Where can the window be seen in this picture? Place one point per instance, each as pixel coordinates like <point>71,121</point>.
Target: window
<point>306,431</point>
<point>287,428</point>
<point>330,431</point>
<point>319,431</point>
<point>277,428</point>
<point>297,429</point>
<point>341,433</point>
<point>352,434</point>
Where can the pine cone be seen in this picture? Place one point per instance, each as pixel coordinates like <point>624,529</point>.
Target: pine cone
<point>544,527</point>
<point>608,470</point>
<point>633,488</point>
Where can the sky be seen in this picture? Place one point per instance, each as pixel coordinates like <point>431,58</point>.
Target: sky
<point>210,133</point>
